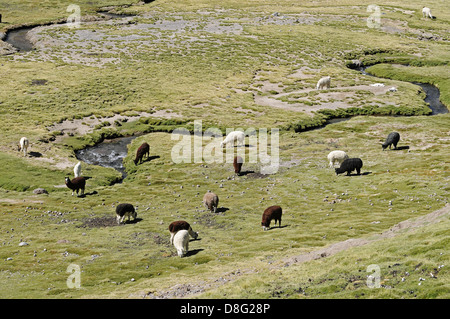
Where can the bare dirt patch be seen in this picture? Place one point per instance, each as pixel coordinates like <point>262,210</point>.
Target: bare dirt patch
<point>87,124</point>
<point>255,175</point>
<point>188,290</point>
<point>96,222</point>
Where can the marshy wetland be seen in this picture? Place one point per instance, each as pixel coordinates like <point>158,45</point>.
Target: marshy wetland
<point>147,69</point>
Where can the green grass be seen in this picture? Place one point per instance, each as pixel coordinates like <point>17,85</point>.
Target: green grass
<point>405,272</point>
<point>234,237</point>
<point>214,77</point>
<point>436,75</point>
<point>30,12</point>
<point>19,176</point>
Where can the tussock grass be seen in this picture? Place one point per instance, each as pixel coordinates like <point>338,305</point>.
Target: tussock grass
<point>165,192</point>
<point>197,74</point>
<point>403,271</point>
<point>436,75</point>
<point>30,12</point>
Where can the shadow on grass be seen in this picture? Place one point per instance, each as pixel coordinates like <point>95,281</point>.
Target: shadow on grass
<point>406,147</point>
<point>35,154</point>
<point>243,173</point>
<point>222,209</point>
<point>273,227</point>
<point>149,159</point>
<point>356,174</point>
<point>134,221</point>
<point>193,252</point>
<point>88,194</point>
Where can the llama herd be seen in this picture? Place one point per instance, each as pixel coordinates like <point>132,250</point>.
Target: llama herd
<point>351,164</point>
<point>180,231</point>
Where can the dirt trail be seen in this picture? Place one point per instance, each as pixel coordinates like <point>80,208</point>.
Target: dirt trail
<point>191,290</point>
<point>404,226</point>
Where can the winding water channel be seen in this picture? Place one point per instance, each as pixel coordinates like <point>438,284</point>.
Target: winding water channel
<point>111,153</point>
<point>18,39</point>
<point>432,98</point>
<point>432,95</point>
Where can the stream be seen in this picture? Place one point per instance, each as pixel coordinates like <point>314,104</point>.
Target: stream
<point>432,94</point>
<point>111,153</point>
<point>432,98</point>
<point>18,37</point>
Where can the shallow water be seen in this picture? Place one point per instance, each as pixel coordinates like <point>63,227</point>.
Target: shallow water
<point>18,39</point>
<point>431,91</point>
<point>112,152</point>
<point>432,98</point>
<point>109,153</point>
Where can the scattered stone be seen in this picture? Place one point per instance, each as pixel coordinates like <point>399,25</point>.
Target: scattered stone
<point>40,191</point>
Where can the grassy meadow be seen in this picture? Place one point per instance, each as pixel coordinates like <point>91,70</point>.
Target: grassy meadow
<point>231,64</point>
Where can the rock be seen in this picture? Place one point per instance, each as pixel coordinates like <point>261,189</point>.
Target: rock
<point>40,191</point>
<point>23,244</point>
